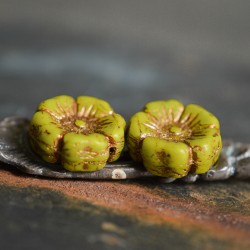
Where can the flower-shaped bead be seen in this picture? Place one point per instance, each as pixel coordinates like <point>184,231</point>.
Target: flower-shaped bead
<point>83,134</point>
<point>172,140</point>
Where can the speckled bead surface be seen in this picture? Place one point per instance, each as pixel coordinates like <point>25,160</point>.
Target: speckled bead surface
<point>173,140</point>
<point>82,134</point>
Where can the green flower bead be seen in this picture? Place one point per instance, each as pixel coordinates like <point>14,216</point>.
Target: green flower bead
<point>83,134</point>
<point>172,140</point>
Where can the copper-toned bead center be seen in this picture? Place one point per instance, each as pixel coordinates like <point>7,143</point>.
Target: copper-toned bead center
<point>80,125</point>
<point>175,132</point>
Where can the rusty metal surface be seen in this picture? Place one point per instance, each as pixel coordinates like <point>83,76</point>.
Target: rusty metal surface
<point>128,54</point>
<point>122,214</point>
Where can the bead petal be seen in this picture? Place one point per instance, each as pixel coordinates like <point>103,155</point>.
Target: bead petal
<point>197,117</point>
<point>45,136</point>
<point>59,107</point>
<point>141,125</point>
<point>166,111</point>
<point>84,152</point>
<point>164,158</point>
<point>92,107</point>
<point>113,127</point>
<point>206,150</point>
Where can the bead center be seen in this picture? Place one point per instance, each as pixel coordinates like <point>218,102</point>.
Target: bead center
<point>80,123</point>
<point>175,130</point>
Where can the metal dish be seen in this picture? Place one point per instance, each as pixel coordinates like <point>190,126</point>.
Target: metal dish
<point>14,150</point>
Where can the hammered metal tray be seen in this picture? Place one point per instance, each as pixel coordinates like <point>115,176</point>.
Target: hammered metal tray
<point>234,160</point>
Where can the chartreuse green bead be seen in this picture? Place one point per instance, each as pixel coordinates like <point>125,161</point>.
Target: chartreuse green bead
<point>173,140</point>
<point>82,134</point>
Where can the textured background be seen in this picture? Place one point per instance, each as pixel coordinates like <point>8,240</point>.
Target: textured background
<point>128,53</point>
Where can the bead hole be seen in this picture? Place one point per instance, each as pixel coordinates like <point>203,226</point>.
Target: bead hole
<point>112,151</point>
